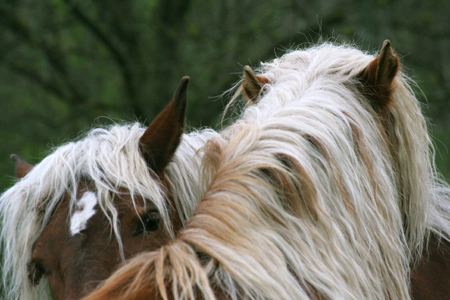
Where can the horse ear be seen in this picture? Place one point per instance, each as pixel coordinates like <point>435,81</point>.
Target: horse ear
<point>252,84</point>
<point>377,77</point>
<point>22,167</point>
<point>162,137</point>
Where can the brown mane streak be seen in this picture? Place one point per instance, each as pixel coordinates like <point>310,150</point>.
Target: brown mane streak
<point>359,146</point>
<point>297,192</point>
<point>318,145</point>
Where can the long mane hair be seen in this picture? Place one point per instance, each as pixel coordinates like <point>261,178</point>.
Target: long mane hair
<point>110,158</point>
<point>312,193</point>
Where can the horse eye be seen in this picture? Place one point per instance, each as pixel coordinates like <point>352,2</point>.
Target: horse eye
<point>35,273</point>
<point>150,221</point>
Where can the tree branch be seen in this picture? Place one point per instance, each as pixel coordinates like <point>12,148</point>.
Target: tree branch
<point>46,85</point>
<point>54,59</point>
<point>116,54</point>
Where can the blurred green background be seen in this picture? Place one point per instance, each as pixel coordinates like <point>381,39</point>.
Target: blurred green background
<point>66,63</point>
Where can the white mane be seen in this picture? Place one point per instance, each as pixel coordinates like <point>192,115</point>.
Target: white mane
<point>310,192</point>
<point>111,159</point>
<point>321,78</point>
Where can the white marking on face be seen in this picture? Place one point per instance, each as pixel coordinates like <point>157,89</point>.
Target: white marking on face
<point>85,210</point>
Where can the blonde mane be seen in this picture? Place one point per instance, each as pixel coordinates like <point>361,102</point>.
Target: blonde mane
<point>110,158</point>
<point>311,193</point>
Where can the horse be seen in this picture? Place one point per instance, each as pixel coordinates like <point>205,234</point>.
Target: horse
<point>322,189</point>
<point>97,201</point>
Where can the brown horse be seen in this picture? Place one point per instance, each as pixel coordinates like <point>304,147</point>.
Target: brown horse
<point>322,190</point>
<point>90,205</point>
<point>430,279</point>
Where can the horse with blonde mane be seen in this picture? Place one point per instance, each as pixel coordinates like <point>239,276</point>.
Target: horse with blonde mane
<point>323,189</point>
<point>91,204</point>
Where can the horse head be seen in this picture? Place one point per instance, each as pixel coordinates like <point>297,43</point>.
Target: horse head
<point>91,205</point>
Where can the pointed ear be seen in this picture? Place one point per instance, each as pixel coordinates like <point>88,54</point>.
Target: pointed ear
<point>22,167</point>
<point>377,77</point>
<point>252,84</point>
<point>162,137</point>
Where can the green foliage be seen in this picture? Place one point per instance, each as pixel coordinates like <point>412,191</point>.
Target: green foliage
<point>65,63</point>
